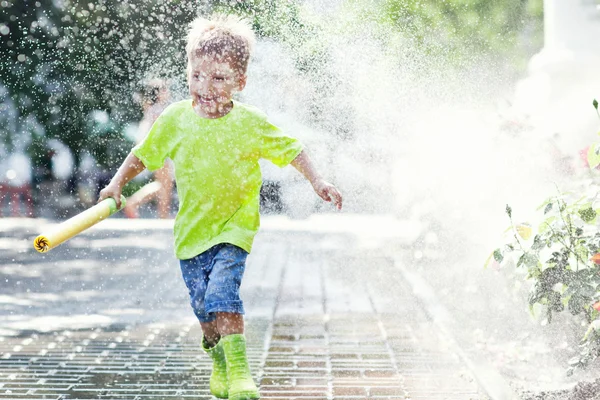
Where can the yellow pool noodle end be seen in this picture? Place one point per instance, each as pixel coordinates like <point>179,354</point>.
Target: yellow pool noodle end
<point>77,224</point>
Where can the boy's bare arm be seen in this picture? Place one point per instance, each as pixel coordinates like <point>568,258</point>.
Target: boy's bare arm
<point>130,168</point>
<point>324,189</point>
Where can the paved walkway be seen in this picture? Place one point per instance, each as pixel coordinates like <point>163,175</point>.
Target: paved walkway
<point>330,316</point>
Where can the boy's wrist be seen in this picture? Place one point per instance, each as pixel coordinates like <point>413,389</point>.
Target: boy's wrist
<point>116,184</point>
<point>318,181</point>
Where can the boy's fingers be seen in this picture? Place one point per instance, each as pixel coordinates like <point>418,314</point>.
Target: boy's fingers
<point>324,195</point>
<point>337,199</point>
<point>332,194</point>
<point>117,199</point>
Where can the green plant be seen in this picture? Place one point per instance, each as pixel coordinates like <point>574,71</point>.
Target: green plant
<point>562,259</point>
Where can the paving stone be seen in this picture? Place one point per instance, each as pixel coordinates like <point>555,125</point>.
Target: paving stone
<point>325,321</point>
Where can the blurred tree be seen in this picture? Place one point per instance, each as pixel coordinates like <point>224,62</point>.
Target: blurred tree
<point>445,37</point>
<point>460,28</point>
<point>63,59</point>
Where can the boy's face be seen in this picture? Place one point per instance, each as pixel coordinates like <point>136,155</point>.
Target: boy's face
<point>212,84</point>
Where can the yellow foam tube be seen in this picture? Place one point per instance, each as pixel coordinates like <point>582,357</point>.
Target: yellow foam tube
<point>77,224</point>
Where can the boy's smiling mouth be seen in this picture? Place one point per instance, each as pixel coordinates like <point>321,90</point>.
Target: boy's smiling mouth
<point>210,107</point>
<point>205,100</point>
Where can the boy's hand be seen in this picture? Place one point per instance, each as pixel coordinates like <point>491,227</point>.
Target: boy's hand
<point>130,168</point>
<point>324,189</point>
<point>113,191</point>
<point>328,192</point>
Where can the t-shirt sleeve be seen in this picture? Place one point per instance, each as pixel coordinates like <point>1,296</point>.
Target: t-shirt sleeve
<point>277,147</point>
<point>156,146</point>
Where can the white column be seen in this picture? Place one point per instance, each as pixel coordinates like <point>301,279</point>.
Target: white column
<point>572,25</point>
<point>563,77</point>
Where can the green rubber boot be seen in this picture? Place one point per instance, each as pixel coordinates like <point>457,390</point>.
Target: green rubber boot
<point>218,379</point>
<point>241,385</point>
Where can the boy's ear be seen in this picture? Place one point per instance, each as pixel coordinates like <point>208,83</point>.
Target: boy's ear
<point>242,82</point>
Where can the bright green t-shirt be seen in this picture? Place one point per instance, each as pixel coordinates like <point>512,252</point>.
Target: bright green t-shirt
<point>217,172</point>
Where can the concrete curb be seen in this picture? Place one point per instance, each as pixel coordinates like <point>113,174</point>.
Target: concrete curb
<point>490,380</point>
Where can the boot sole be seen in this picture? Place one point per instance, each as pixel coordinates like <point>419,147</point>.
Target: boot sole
<point>219,395</point>
<point>244,396</point>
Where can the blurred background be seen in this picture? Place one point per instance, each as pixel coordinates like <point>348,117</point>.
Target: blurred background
<point>411,107</point>
<point>352,79</point>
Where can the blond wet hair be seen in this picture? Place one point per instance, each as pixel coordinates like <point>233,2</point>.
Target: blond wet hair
<point>223,36</point>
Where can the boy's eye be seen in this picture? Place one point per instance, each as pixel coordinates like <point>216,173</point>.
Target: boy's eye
<point>219,78</point>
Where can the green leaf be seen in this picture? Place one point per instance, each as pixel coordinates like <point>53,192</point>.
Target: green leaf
<point>544,204</point>
<point>545,225</point>
<point>587,291</point>
<point>534,273</point>
<point>498,255</point>
<point>529,259</point>
<point>593,155</point>
<point>521,260</point>
<point>535,297</point>
<point>571,289</point>
<point>547,208</point>
<point>538,243</point>
<point>587,214</point>
<point>509,210</point>
<point>589,330</point>
<point>576,303</point>
<point>595,104</point>
<point>582,252</point>
<point>554,302</point>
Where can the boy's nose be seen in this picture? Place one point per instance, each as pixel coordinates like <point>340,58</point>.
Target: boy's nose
<point>206,86</point>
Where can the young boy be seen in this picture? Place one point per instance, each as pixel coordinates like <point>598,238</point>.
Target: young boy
<point>215,143</point>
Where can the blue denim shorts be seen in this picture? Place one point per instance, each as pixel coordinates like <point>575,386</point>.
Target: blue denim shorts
<point>213,279</point>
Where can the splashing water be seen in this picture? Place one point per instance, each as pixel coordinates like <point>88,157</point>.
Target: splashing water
<point>402,132</point>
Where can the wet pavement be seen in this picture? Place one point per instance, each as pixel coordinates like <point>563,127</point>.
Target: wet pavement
<point>330,315</point>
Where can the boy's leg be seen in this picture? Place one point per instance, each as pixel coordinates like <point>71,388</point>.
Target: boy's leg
<point>195,274</point>
<point>211,344</point>
<point>222,298</point>
<point>229,323</point>
<point>210,332</point>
